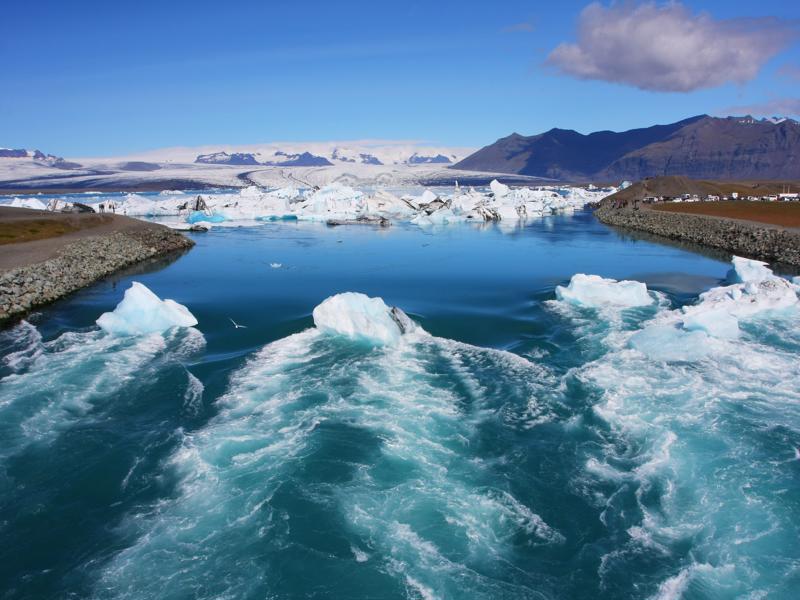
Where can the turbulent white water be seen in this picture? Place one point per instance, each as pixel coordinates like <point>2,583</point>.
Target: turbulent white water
<point>702,433</point>
<point>365,457</point>
<point>380,436</point>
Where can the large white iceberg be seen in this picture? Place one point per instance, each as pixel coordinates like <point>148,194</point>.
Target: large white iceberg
<point>141,312</point>
<point>499,189</point>
<point>359,317</point>
<point>746,270</point>
<point>595,291</point>
<point>334,201</point>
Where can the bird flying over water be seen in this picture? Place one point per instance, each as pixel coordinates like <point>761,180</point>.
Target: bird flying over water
<point>236,325</point>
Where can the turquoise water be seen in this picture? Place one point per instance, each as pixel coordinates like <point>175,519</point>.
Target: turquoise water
<point>523,450</point>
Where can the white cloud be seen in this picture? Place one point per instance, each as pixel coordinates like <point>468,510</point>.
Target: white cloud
<point>666,48</point>
<point>779,107</point>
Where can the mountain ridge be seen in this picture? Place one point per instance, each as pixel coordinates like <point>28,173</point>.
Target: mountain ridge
<point>701,147</point>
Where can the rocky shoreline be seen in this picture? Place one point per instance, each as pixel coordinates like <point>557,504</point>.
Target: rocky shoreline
<point>761,241</point>
<point>81,263</point>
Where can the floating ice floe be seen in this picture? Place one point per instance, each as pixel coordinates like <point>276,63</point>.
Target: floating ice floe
<point>595,291</point>
<point>141,312</point>
<point>359,317</point>
<point>685,334</point>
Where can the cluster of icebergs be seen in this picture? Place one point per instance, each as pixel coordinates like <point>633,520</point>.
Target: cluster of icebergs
<point>337,202</point>
<point>687,333</point>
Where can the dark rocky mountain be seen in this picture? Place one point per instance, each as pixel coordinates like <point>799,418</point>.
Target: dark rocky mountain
<point>223,158</point>
<point>700,147</point>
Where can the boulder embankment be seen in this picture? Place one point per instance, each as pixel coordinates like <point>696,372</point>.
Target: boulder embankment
<point>46,256</point>
<point>762,241</point>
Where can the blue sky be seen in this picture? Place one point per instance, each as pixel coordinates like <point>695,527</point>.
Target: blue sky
<point>101,78</point>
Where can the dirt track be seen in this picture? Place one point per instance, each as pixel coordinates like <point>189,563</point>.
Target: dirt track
<point>783,214</point>
<point>31,236</point>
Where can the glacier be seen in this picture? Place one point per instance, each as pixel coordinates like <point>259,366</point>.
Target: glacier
<point>141,312</point>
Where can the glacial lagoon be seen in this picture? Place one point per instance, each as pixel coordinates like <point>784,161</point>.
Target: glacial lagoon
<point>522,442</point>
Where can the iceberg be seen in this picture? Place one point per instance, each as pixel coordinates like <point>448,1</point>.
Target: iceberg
<point>426,198</point>
<point>358,317</point>
<point>595,291</point>
<point>684,334</point>
<point>133,205</point>
<point>141,312</point>
<point>199,216</point>
<point>499,189</point>
<point>32,203</point>
<point>333,201</point>
<point>746,270</point>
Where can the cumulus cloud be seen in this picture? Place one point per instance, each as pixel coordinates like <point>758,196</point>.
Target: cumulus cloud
<point>779,107</point>
<point>666,48</point>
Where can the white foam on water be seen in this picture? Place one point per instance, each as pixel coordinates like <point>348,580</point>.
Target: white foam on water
<point>410,397</point>
<point>193,397</point>
<point>25,343</point>
<point>694,414</point>
<point>63,381</point>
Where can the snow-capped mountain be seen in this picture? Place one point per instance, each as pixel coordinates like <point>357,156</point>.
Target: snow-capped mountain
<point>294,156</point>
<point>366,162</point>
<point>307,154</point>
<point>38,157</point>
<point>223,158</point>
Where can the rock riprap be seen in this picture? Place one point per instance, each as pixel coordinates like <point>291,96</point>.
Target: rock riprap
<point>81,263</point>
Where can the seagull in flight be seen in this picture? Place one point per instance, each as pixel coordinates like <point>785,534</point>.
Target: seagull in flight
<point>236,325</point>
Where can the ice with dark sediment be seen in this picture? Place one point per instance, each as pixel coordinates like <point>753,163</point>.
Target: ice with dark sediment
<point>337,201</point>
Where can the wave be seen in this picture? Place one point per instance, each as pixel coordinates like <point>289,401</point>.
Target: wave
<point>345,455</point>
<point>694,430</point>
